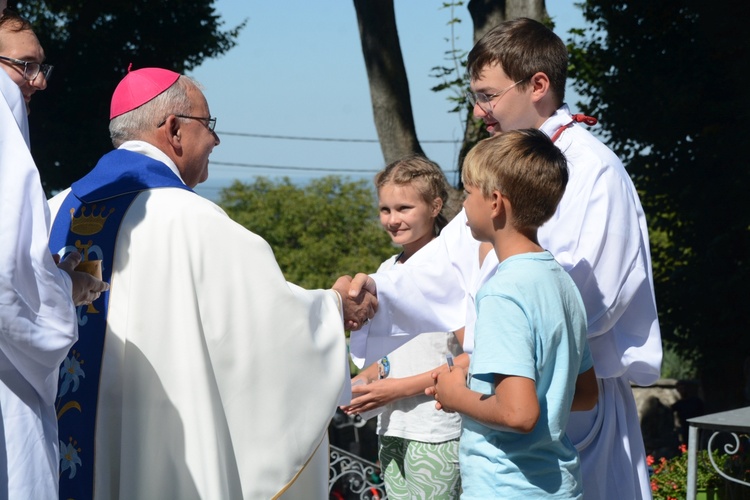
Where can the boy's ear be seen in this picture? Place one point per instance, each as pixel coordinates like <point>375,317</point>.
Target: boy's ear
<point>496,203</point>
<point>540,85</point>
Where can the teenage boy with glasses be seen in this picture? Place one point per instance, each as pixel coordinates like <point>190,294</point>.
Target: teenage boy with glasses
<point>22,56</point>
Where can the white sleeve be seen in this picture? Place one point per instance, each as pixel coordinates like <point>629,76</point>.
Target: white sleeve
<point>37,318</point>
<point>426,294</point>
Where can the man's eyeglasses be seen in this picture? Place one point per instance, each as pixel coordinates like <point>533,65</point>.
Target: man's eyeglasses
<point>485,100</point>
<point>31,69</point>
<point>209,122</point>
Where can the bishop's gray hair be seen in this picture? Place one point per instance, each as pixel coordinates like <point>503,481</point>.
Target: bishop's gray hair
<point>173,101</point>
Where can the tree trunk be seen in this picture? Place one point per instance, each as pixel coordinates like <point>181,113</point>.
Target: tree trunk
<point>486,14</point>
<point>389,86</point>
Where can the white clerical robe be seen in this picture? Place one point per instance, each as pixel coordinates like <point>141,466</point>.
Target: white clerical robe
<point>37,316</point>
<point>219,378</point>
<point>599,235</point>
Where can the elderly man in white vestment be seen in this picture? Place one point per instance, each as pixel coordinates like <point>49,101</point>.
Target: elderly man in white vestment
<point>213,377</point>
<point>598,234</point>
<point>37,315</point>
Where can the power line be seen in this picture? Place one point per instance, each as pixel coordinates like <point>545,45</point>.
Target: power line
<point>282,167</point>
<point>307,169</point>
<point>314,139</point>
<point>326,139</point>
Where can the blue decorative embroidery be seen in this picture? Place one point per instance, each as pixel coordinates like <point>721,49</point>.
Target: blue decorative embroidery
<point>69,458</point>
<point>70,371</point>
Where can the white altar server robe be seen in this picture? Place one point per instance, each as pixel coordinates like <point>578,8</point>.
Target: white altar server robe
<point>37,317</point>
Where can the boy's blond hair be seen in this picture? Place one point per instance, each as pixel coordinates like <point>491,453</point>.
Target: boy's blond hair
<point>526,167</point>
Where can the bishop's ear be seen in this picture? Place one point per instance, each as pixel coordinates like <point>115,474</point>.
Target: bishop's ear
<point>172,131</point>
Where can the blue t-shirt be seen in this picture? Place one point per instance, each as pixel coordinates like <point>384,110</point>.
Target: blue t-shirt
<point>531,322</point>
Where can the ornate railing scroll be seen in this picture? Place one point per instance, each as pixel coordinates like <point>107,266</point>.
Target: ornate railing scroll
<point>354,477</point>
<point>730,449</point>
<point>734,422</point>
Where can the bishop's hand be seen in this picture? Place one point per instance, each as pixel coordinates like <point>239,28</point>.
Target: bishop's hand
<point>359,306</point>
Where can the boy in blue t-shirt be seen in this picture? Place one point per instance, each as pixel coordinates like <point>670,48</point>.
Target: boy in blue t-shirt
<point>531,363</point>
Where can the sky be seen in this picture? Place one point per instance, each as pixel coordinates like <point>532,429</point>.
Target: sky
<point>292,97</point>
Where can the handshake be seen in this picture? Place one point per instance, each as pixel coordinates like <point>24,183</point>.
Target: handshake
<point>358,299</point>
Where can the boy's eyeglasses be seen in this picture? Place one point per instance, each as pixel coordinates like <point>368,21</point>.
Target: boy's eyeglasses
<point>31,69</point>
<point>485,100</point>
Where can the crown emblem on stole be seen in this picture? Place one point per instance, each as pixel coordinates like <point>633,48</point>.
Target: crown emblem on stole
<point>88,224</point>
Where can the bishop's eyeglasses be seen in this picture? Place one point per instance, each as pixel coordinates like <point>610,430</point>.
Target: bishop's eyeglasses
<point>208,121</point>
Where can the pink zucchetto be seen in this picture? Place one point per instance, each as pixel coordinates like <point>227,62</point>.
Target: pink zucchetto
<point>138,87</point>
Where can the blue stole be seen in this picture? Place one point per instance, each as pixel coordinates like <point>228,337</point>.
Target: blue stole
<point>88,222</point>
